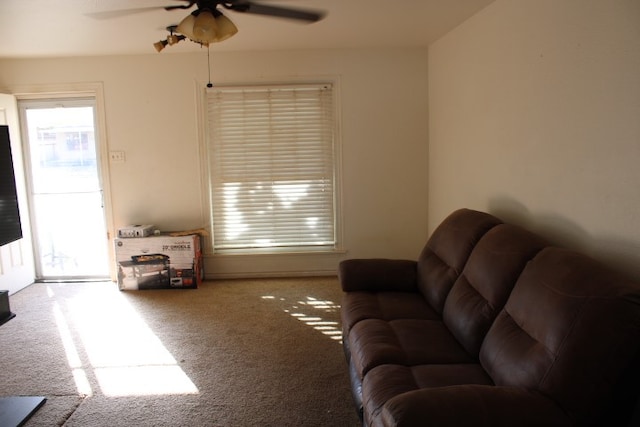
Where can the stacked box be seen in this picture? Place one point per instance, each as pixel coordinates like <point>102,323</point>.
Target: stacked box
<point>159,262</point>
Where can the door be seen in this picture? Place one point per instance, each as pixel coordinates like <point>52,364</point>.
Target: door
<point>16,258</point>
<point>65,189</point>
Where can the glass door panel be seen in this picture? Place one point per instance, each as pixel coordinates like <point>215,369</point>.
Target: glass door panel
<point>66,192</point>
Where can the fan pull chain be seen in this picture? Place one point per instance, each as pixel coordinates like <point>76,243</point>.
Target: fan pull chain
<point>209,85</point>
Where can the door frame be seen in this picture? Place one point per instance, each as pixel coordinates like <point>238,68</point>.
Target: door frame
<point>83,90</point>
<point>17,269</point>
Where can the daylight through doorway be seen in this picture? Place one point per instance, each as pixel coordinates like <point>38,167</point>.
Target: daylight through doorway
<point>65,191</point>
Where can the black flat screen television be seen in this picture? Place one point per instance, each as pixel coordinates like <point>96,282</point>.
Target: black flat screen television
<point>10,228</point>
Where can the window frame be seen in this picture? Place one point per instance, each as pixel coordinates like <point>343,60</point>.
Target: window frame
<point>208,152</point>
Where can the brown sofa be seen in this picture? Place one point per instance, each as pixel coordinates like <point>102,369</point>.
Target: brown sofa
<point>491,326</point>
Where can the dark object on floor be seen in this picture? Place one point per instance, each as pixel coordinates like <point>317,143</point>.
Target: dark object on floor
<point>5,311</point>
<point>491,326</point>
<point>16,410</point>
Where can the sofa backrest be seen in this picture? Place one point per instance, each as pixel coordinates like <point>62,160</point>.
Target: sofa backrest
<point>570,329</point>
<point>481,291</point>
<point>446,252</point>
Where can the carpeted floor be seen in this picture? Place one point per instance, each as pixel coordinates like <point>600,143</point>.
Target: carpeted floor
<point>231,353</point>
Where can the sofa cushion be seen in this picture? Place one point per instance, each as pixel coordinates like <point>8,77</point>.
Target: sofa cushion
<point>569,330</point>
<point>378,275</point>
<point>375,342</point>
<point>378,288</point>
<point>488,277</point>
<point>446,252</point>
<point>357,306</point>
<point>387,381</point>
<point>472,405</point>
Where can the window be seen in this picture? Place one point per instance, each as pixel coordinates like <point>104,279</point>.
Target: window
<point>272,168</point>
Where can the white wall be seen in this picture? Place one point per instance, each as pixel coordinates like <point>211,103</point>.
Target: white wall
<point>151,108</point>
<point>535,117</point>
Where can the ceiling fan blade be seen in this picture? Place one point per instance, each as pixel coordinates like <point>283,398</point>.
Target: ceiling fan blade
<point>282,12</point>
<point>109,14</point>
<point>184,6</point>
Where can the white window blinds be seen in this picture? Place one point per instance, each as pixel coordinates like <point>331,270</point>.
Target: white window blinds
<point>271,161</point>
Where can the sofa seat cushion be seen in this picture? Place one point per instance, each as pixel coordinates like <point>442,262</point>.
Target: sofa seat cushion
<point>384,382</point>
<point>375,342</point>
<point>472,405</point>
<point>357,306</point>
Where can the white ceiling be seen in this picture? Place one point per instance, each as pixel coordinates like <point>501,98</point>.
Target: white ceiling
<point>54,28</point>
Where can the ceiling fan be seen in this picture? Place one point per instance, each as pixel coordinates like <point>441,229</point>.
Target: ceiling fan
<point>206,24</point>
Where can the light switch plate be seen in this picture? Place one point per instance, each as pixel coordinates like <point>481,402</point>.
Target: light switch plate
<point>116,156</point>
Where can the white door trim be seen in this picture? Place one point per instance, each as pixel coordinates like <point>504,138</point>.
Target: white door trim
<point>72,90</point>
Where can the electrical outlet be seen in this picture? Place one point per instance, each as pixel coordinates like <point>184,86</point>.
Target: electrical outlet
<point>116,156</point>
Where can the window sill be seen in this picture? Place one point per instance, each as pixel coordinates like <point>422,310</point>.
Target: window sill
<point>275,253</point>
<point>272,264</point>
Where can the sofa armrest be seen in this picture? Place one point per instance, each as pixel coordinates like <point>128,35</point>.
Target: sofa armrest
<point>377,274</point>
<point>472,405</point>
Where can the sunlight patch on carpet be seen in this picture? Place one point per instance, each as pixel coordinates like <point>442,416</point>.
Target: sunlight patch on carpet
<point>108,341</point>
<point>73,358</point>
<point>144,381</point>
<point>307,310</point>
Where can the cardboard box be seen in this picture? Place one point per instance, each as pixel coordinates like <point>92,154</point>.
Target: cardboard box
<point>159,262</point>
<point>136,231</point>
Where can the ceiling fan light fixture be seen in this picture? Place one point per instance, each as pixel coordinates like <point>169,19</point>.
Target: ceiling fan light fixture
<point>185,26</point>
<point>205,27</point>
<point>226,28</point>
<point>160,45</point>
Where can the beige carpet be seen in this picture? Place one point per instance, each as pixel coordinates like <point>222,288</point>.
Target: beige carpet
<point>232,353</point>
